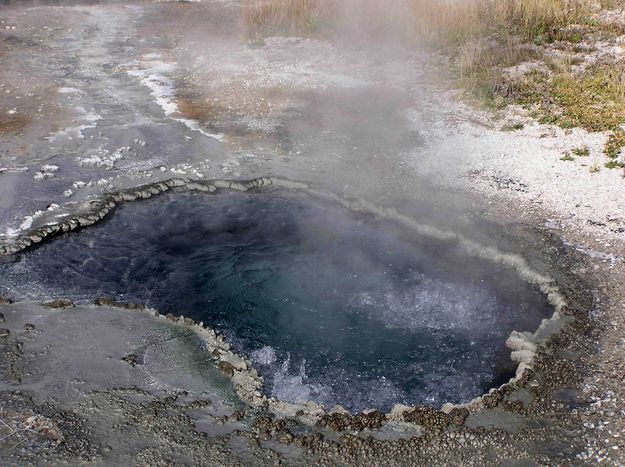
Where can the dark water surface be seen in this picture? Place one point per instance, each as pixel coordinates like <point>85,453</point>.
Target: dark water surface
<point>331,306</point>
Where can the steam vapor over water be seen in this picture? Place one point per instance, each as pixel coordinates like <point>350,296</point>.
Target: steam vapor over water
<point>330,305</point>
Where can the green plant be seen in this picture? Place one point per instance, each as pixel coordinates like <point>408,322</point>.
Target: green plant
<point>594,167</point>
<point>616,141</point>
<point>573,35</point>
<point>581,152</point>
<point>513,126</point>
<point>591,22</point>
<point>567,156</point>
<point>593,99</point>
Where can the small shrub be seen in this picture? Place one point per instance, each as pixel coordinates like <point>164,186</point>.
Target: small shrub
<point>616,141</point>
<point>594,100</point>
<point>513,126</point>
<point>263,18</point>
<point>594,167</point>
<point>581,152</point>
<point>614,165</point>
<point>572,35</point>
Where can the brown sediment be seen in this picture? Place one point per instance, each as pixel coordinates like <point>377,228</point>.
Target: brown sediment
<point>198,109</point>
<point>11,124</point>
<point>228,109</point>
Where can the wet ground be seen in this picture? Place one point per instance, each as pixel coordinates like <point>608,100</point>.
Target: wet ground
<point>101,97</point>
<point>135,104</point>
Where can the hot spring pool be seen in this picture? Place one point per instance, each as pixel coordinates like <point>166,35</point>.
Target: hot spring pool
<point>330,305</point>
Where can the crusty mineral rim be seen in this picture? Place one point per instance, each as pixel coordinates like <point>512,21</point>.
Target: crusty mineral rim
<point>245,378</point>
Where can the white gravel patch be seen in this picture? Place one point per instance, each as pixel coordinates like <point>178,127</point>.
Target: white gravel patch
<point>526,164</point>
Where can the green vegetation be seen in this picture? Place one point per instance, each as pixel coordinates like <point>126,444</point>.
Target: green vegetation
<point>577,152</point>
<point>574,37</point>
<point>615,143</point>
<point>615,165</point>
<point>581,152</point>
<point>513,126</point>
<point>593,99</point>
<point>594,167</point>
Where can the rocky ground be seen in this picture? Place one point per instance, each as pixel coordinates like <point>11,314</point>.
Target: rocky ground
<point>102,97</point>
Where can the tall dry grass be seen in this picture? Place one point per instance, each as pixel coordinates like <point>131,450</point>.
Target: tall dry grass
<point>439,22</point>
<point>266,17</point>
<point>484,36</point>
<point>506,33</point>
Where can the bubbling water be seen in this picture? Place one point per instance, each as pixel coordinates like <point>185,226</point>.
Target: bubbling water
<point>330,306</point>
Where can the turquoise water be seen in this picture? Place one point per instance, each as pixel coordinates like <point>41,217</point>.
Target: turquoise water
<point>330,306</point>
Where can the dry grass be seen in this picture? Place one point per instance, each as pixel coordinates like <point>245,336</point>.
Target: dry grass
<point>455,22</point>
<point>614,145</point>
<point>611,3</point>
<point>532,18</point>
<point>480,64</point>
<point>266,17</point>
<point>481,34</point>
<point>593,99</point>
<point>484,37</point>
<point>432,21</point>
